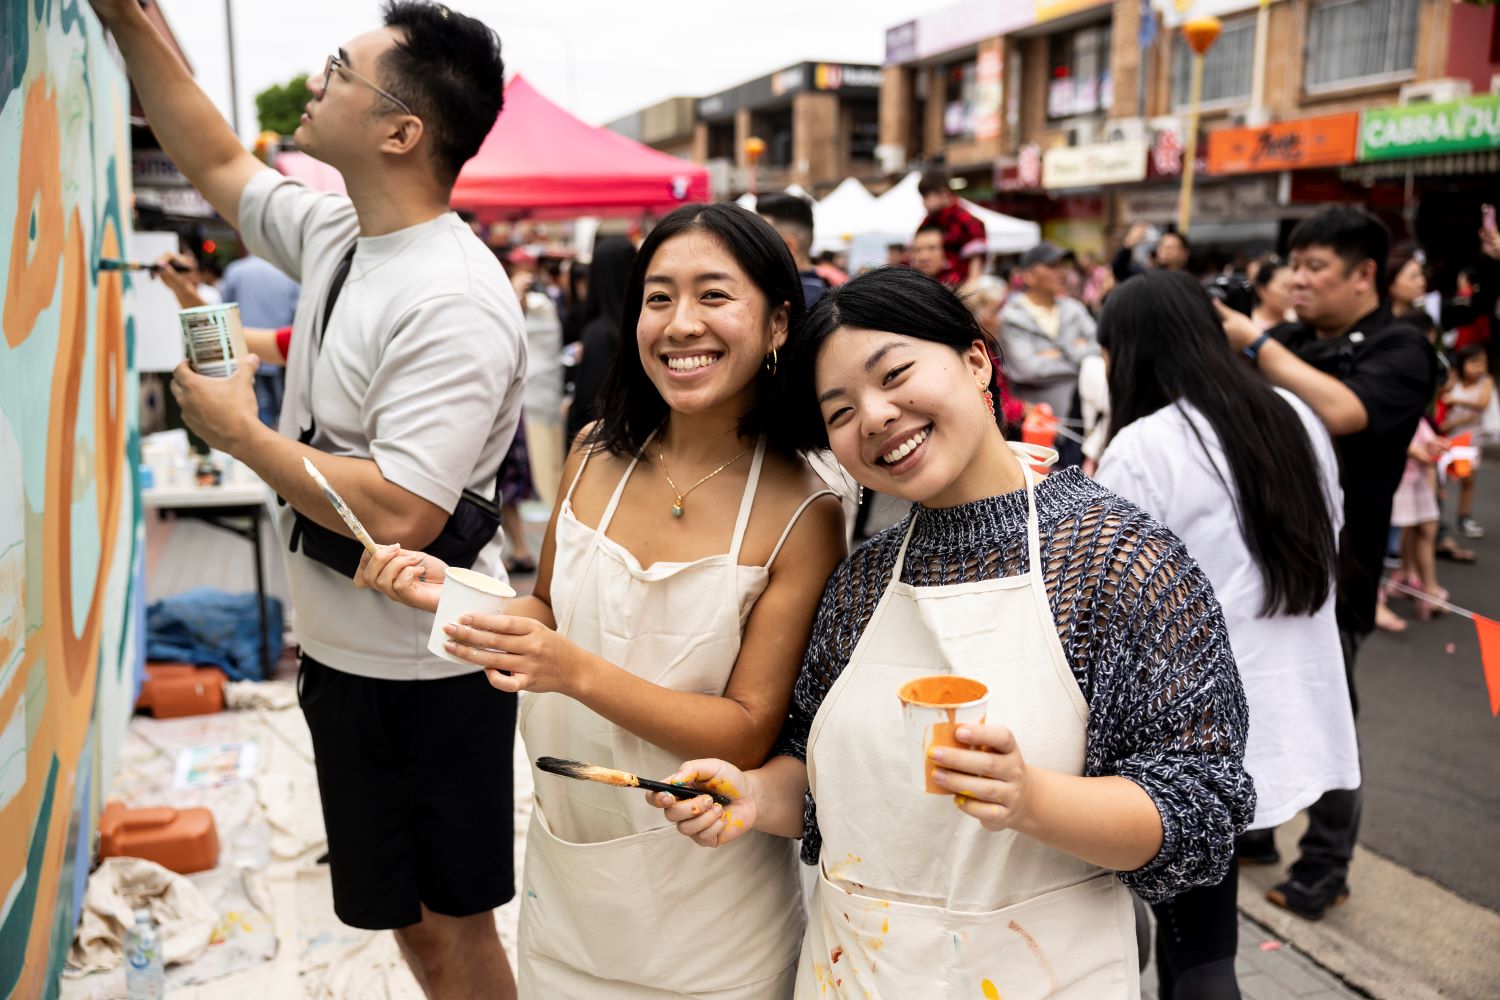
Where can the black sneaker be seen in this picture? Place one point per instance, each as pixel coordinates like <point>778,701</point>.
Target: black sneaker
<point>1309,892</point>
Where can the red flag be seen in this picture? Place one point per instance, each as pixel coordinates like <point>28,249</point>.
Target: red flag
<point>1489,657</point>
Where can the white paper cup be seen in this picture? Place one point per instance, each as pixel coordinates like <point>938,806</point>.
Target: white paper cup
<point>465,592</point>
<point>933,708</point>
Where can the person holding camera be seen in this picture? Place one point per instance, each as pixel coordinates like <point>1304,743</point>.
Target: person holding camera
<point>404,387</point>
<point>1345,329</point>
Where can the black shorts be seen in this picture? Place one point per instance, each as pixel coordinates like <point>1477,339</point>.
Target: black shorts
<point>415,778</point>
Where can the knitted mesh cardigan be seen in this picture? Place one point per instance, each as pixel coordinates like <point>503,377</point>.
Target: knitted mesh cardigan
<point>1140,628</point>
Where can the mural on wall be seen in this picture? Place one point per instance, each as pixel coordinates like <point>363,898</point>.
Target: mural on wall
<point>70,522</point>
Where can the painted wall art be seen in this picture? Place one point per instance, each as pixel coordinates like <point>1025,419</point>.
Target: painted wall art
<point>71,537</point>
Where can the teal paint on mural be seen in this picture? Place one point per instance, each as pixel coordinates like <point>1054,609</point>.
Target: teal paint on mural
<point>17,926</point>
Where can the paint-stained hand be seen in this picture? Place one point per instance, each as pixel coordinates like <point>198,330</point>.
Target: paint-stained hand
<point>405,576</point>
<point>222,411</point>
<point>704,820</point>
<point>988,782</point>
<point>518,654</point>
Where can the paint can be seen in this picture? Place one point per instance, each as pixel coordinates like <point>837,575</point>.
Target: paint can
<point>213,339</point>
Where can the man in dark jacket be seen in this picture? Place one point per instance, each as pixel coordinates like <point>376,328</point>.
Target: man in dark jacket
<point>1344,330</point>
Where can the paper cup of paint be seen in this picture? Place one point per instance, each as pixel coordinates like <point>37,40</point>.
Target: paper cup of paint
<point>933,708</point>
<point>465,592</point>
<point>213,339</point>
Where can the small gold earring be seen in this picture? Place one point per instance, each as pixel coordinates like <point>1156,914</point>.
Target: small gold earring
<point>771,362</point>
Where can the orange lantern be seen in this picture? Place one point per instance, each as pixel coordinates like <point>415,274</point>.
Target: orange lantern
<point>1201,33</point>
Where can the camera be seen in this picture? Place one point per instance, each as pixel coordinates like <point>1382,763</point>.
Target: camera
<point>1234,291</point>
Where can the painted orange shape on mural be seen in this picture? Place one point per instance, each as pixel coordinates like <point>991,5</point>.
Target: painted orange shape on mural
<point>36,241</point>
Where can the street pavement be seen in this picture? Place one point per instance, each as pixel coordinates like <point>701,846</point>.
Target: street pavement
<point>1430,748</point>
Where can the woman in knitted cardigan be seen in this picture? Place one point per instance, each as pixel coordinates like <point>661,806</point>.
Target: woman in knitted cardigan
<point>1161,789</point>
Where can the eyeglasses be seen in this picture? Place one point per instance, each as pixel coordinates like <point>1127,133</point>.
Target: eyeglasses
<point>335,63</point>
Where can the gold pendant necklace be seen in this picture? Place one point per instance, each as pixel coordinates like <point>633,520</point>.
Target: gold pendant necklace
<point>677,508</point>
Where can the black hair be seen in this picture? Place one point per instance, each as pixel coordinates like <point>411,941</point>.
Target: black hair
<point>931,227</point>
<point>784,207</point>
<point>609,274</point>
<point>827,257</point>
<point>448,68</point>
<point>935,181</point>
<point>629,406</point>
<point>1187,244</point>
<point>1350,232</point>
<point>789,211</point>
<point>1266,272</point>
<point>1167,348</point>
<point>1463,355</point>
<point>898,300</point>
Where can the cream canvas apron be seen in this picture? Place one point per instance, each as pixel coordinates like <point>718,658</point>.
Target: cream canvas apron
<point>915,898</point>
<point>616,903</point>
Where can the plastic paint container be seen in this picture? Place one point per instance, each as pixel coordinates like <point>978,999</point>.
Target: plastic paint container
<point>933,708</point>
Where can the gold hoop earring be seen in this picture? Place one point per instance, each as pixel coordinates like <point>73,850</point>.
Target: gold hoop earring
<point>771,362</point>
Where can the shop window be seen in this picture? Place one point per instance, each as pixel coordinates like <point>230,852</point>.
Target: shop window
<point>1227,69</point>
<point>1353,40</point>
<point>960,99</point>
<point>863,118</point>
<point>1079,82</point>
<point>775,127</point>
<point>721,140</point>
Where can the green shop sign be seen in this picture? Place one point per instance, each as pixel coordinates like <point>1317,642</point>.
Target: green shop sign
<point>1423,129</point>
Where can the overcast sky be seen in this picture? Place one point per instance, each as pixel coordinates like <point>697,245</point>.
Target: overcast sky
<point>601,59</point>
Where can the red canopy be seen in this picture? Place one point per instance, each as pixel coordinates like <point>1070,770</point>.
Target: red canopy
<point>540,161</point>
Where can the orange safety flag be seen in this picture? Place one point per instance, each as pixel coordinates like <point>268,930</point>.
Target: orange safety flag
<point>1489,657</point>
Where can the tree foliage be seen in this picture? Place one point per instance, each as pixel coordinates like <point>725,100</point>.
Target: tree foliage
<point>279,107</point>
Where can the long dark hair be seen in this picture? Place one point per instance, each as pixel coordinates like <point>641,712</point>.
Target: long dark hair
<point>1167,347</point>
<point>629,406</point>
<point>899,300</point>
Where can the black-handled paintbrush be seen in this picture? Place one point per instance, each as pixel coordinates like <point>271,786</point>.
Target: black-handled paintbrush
<point>624,779</point>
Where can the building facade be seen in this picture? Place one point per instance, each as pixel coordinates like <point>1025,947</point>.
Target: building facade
<point>1073,113</point>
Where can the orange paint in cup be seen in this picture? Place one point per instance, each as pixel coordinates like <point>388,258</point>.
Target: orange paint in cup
<point>933,709</point>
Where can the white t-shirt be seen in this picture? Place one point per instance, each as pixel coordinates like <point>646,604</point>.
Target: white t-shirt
<point>421,369</point>
<point>1301,740</point>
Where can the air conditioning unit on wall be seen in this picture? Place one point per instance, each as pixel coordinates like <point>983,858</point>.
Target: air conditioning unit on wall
<point>892,157</point>
<point>1439,91</point>
<point>1083,133</point>
<point>1126,130</point>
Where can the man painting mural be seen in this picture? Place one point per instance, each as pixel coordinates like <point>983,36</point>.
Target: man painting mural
<point>404,387</point>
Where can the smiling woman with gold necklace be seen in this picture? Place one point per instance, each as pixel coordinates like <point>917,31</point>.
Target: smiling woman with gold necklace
<point>654,634</point>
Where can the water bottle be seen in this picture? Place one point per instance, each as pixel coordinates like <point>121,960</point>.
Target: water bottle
<point>145,979</point>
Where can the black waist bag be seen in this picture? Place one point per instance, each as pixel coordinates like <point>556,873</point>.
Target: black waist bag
<point>470,527</point>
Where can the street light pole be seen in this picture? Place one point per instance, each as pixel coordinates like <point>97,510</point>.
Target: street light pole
<point>1200,33</point>
<point>234,83</point>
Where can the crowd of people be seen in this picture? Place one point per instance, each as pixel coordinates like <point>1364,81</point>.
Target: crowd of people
<point>1166,615</point>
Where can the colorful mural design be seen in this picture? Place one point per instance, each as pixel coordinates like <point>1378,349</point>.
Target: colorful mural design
<point>71,533</point>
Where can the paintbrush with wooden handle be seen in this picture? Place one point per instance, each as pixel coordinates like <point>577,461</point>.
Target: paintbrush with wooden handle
<point>341,507</point>
<point>624,779</point>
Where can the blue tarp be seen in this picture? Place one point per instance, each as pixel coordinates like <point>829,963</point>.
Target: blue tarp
<point>210,628</point>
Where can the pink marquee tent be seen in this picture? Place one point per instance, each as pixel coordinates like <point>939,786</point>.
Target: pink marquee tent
<point>539,161</point>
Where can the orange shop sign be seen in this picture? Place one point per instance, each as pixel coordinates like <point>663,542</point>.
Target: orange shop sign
<point>1328,141</point>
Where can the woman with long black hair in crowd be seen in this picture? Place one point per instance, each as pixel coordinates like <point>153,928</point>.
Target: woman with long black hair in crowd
<point>678,581</point>
<point>1247,476</point>
<point>1111,752</point>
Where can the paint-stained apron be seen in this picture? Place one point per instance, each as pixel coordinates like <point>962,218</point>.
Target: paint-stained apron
<point>915,898</point>
<point>616,903</point>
